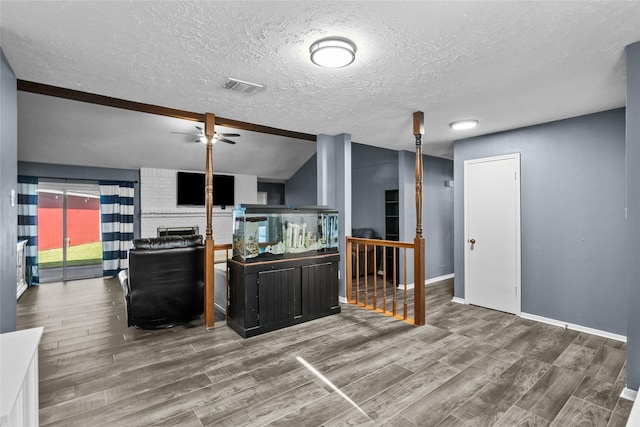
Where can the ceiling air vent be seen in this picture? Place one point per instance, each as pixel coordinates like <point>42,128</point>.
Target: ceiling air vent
<point>242,86</point>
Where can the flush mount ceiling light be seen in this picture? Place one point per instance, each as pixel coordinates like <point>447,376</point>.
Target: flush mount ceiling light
<point>463,124</point>
<point>333,52</point>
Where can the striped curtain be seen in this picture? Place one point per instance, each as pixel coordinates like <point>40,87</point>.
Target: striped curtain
<point>28,224</point>
<point>116,217</point>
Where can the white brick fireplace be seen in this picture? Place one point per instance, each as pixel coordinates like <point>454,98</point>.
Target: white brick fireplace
<point>159,209</point>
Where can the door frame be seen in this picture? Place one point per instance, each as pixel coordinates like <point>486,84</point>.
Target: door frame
<point>518,249</point>
<point>64,187</point>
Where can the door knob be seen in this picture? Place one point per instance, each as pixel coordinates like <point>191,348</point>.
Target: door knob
<point>472,241</point>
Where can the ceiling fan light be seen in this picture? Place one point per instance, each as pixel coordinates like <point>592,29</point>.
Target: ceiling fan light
<point>333,52</point>
<point>463,124</point>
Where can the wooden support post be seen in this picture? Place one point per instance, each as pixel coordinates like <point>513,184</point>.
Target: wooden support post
<point>418,254</point>
<point>357,273</point>
<point>418,275</point>
<point>349,290</point>
<point>209,252</point>
<point>418,130</point>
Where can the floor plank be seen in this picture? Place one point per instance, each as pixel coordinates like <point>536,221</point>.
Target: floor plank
<point>548,396</point>
<point>495,399</point>
<point>468,366</point>
<point>578,412</point>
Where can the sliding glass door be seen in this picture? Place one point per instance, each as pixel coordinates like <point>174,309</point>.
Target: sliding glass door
<point>69,235</point>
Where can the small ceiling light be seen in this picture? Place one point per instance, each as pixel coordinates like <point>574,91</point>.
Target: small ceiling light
<point>333,52</point>
<point>463,124</point>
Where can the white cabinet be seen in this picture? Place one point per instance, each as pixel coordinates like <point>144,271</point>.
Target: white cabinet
<point>19,373</point>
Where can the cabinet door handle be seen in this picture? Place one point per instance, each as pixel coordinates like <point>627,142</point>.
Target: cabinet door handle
<point>472,241</point>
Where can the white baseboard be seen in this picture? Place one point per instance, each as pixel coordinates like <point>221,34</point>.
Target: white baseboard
<point>634,415</point>
<point>429,281</point>
<point>438,279</point>
<point>458,300</point>
<point>574,327</point>
<point>628,394</point>
<point>343,300</point>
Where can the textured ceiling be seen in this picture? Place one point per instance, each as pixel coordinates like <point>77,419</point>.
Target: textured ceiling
<point>507,63</point>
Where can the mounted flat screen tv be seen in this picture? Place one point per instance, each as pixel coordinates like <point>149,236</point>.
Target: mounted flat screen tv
<point>190,189</point>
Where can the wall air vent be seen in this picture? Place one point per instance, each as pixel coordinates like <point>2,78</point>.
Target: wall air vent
<point>242,86</point>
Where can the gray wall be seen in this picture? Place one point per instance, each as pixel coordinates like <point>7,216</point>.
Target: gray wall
<point>437,216</point>
<point>437,211</point>
<point>632,243</point>
<point>47,170</point>
<point>274,190</point>
<point>8,182</point>
<point>301,189</point>
<point>572,216</point>
<point>374,170</point>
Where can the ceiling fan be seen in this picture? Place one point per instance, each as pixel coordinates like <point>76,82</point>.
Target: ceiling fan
<point>200,137</point>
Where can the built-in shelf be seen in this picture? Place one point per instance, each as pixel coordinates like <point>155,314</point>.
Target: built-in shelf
<point>391,214</point>
<point>392,227</point>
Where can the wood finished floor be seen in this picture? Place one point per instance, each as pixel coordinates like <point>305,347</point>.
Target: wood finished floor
<point>469,366</point>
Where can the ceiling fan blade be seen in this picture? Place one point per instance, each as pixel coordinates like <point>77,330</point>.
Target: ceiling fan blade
<point>229,135</point>
<point>228,141</point>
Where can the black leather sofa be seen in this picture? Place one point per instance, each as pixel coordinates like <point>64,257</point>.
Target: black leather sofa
<point>164,285</point>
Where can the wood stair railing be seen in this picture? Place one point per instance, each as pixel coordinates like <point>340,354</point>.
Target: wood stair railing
<point>381,294</point>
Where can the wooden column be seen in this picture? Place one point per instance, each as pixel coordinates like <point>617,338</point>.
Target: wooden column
<point>209,125</point>
<point>419,255</point>
<point>349,278</point>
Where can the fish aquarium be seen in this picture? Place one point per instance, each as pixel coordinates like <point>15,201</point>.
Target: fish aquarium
<point>267,232</point>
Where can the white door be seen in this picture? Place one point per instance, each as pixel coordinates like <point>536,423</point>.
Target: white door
<point>492,232</point>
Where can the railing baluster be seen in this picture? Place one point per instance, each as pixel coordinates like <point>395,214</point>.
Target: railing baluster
<point>395,283</point>
<point>405,284</point>
<point>357,273</point>
<point>366,278</point>
<point>375,278</point>
<point>384,280</point>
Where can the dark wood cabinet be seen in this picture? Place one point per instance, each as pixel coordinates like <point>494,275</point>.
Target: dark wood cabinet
<point>265,296</point>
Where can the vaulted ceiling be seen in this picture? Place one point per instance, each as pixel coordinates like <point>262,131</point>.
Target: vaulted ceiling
<point>506,63</point>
